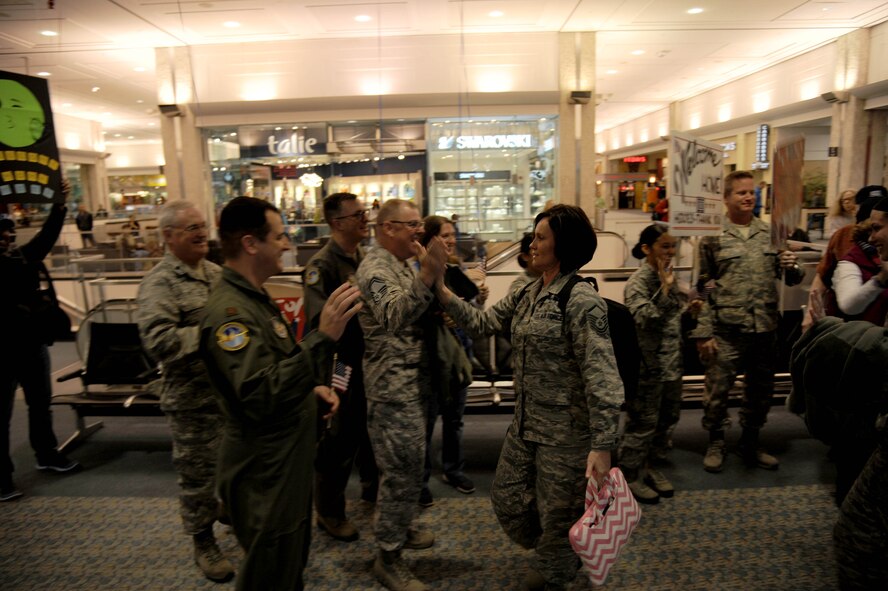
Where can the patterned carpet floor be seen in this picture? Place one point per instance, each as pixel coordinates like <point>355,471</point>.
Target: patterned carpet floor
<point>775,539</point>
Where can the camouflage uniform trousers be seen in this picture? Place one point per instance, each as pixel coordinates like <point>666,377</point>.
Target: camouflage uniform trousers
<point>652,416</point>
<point>397,433</point>
<point>196,435</point>
<point>752,353</point>
<point>861,532</point>
<point>538,493</point>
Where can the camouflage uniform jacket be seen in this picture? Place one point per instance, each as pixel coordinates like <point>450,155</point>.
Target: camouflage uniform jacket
<point>171,300</point>
<point>745,271</point>
<point>657,315</point>
<point>395,300</point>
<point>329,268</point>
<point>568,391</point>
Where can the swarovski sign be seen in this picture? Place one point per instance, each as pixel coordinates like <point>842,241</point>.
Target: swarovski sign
<point>485,142</point>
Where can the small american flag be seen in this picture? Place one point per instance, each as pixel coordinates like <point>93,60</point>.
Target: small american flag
<point>341,376</point>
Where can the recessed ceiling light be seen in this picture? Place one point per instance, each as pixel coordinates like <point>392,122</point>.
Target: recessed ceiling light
<point>363,18</point>
<point>139,101</point>
<point>151,124</point>
<point>232,134</point>
<point>695,10</point>
<point>96,89</point>
<point>495,13</point>
<point>66,105</point>
<point>231,24</point>
<point>638,52</point>
<point>130,137</point>
<point>44,74</point>
<point>116,135</point>
<point>139,69</point>
<point>612,72</point>
<point>277,128</point>
<point>49,33</point>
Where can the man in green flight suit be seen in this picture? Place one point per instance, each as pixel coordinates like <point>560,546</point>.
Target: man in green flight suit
<point>345,441</point>
<point>267,385</point>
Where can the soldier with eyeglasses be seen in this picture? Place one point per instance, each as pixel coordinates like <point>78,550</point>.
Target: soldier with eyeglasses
<point>171,300</point>
<point>345,441</point>
<point>396,379</point>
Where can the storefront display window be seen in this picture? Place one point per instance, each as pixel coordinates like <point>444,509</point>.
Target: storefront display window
<point>496,174</point>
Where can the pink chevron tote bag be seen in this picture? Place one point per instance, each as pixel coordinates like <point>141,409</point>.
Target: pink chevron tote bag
<point>611,515</point>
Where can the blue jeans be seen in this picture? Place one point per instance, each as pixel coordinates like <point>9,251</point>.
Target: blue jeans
<point>29,366</point>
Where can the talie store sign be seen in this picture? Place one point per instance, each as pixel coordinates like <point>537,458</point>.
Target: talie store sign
<point>266,141</point>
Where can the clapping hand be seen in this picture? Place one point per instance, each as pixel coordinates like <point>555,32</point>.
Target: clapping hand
<point>338,310</point>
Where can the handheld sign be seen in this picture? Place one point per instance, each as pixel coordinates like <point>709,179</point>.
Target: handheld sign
<point>29,158</point>
<point>696,173</point>
<point>789,188</point>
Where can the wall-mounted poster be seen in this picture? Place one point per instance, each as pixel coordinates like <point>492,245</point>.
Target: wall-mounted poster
<point>29,158</point>
<point>696,171</point>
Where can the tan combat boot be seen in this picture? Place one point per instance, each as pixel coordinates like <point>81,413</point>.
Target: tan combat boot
<point>339,527</point>
<point>658,482</point>
<point>714,460</point>
<point>210,560</point>
<point>391,570</point>
<point>419,539</point>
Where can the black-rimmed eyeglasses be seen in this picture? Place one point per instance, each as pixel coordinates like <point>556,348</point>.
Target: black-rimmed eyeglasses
<point>358,215</point>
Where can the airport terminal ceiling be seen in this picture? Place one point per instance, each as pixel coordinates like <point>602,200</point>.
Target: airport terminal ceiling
<point>99,55</point>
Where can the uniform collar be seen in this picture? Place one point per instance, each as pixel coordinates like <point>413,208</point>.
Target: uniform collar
<point>755,226</point>
<point>180,268</point>
<point>239,281</point>
<point>336,249</point>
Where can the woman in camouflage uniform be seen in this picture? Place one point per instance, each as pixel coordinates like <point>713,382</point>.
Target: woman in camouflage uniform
<point>567,395</point>
<point>653,297</point>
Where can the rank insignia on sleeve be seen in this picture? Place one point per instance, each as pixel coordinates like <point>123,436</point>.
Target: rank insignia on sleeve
<point>378,288</point>
<point>232,336</point>
<point>598,320</point>
<point>231,311</point>
<point>312,276</point>
<point>280,329</point>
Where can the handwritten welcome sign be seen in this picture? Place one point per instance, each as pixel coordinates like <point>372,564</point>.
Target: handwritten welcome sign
<point>29,158</point>
<point>696,173</point>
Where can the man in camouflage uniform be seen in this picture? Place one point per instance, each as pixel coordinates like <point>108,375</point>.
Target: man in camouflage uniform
<point>396,379</point>
<point>332,266</point>
<point>737,326</point>
<point>171,299</point>
<point>269,388</point>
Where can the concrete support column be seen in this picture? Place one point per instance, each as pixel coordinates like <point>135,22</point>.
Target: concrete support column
<point>850,123</point>
<point>876,166</point>
<point>576,155</point>
<point>184,149</point>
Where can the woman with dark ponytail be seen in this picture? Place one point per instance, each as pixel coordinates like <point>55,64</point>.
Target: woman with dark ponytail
<point>654,299</point>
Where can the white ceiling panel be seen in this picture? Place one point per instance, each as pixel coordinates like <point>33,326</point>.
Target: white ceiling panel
<point>102,42</point>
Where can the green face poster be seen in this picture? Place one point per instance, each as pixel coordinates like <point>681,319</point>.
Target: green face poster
<point>30,171</point>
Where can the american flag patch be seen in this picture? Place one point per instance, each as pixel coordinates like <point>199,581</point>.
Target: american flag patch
<point>341,375</point>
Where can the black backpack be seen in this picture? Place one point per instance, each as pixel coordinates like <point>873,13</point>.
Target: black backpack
<point>621,324</point>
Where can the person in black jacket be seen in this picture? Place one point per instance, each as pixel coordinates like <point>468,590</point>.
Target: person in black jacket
<point>24,353</point>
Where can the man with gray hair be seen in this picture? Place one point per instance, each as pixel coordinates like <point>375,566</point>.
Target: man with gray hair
<point>171,300</point>
<point>396,380</point>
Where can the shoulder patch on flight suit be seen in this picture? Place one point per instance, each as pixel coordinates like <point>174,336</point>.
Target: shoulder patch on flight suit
<point>378,288</point>
<point>598,320</point>
<point>311,276</point>
<point>232,336</point>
